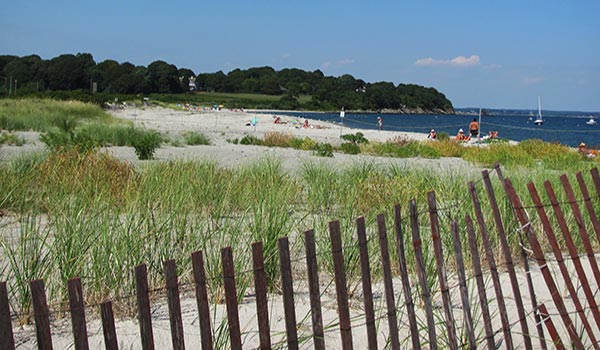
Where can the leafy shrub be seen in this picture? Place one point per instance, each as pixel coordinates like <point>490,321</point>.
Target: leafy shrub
<point>296,142</point>
<point>359,137</point>
<point>324,150</point>
<point>195,138</point>
<point>56,139</point>
<point>350,148</point>
<point>308,144</point>
<point>146,144</point>
<point>277,139</point>
<point>250,140</point>
<point>233,141</point>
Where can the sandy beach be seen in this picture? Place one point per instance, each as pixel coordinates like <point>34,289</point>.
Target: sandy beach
<point>224,125</point>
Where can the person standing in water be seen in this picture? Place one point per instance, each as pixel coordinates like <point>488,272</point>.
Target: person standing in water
<point>379,123</point>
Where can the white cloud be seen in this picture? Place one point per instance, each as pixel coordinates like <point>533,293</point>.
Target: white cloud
<point>345,61</point>
<point>337,64</point>
<point>532,80</point>
<point>459,61</point>
<point>286,55</point>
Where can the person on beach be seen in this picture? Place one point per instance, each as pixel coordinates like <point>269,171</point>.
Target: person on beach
<point>474,128</point>
<point>432,134</point>
<point>461,136</point>
<point>305,126</point>
<point>379,123</point>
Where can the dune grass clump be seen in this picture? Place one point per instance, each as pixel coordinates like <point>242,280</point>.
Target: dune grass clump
<point>402,148</point>
<point>43,114</point>
<point>7,138</point>
<point>277,139</point>
<point>194,138</point>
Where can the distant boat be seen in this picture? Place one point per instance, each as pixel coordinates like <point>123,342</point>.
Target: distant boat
<point>591,121</point>
<point>539,120</point>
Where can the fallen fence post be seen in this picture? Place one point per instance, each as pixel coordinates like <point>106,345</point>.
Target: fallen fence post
<point>77,314</point>
<point>143,302</point>
<point>525,263</point>
<point>108,326</point>
<point>313,290</point>
<point>202,300</point>
<point>233,319</point>
<point>441,270</point>
<point>425,293</point>
<point>7,340</point>
<point>174,305</point>
<point>408,300</point>
<point>365,270</point>
<point>483,301</point>
<point>340,285</point>
<point>508,259</point>
<point>260,289</point>
<point>541,261</point>
<point>387,283</point>
<point>288,293</point>
<point>41,315</point>
<point>462,283</point>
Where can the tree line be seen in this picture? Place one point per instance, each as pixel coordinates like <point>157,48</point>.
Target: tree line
<point>70,72</point>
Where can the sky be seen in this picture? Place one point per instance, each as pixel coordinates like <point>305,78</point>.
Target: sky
<point>490,54</point>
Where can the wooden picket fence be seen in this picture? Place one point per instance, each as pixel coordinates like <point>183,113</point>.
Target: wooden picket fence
<point>421,336</point>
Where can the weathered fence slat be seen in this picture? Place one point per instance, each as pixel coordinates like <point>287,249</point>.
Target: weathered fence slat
<point>507,259</point>
<point>585,238</point>
<point>7,340</point>
<point>233,319</point>
<point>420,261</point>
<point>77,314</point>
<point>340,284</point>
<point>174,305</point>
<point>260,289</point>
<point>365,270</point>
<point>108,326</point>
<point>485,237</point>
<point>313,290</point>
<point>408,300</point>
<point>143,302</point>
<point>596,180</point>
<point>541,261</point>
<point>387,283</point>
<point>561,264</point>
<point>287,287</point>
<point>588,204</point>
<point>41,315</point>
<point>462,284</point>
<point>483,301</point>
<point>441,270</point>
<point>551,328</point>
<point>202,300</point>
<point>525,263</point>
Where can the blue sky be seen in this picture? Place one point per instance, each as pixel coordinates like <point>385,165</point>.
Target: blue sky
<point>494,54</point>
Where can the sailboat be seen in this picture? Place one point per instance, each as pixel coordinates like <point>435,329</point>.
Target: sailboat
<point>539,120</point>
<point>591,121</point>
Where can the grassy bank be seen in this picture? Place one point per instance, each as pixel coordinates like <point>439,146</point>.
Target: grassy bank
<point>71,214</point>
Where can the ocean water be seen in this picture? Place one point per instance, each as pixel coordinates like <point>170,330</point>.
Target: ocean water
<point>568,128</point>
